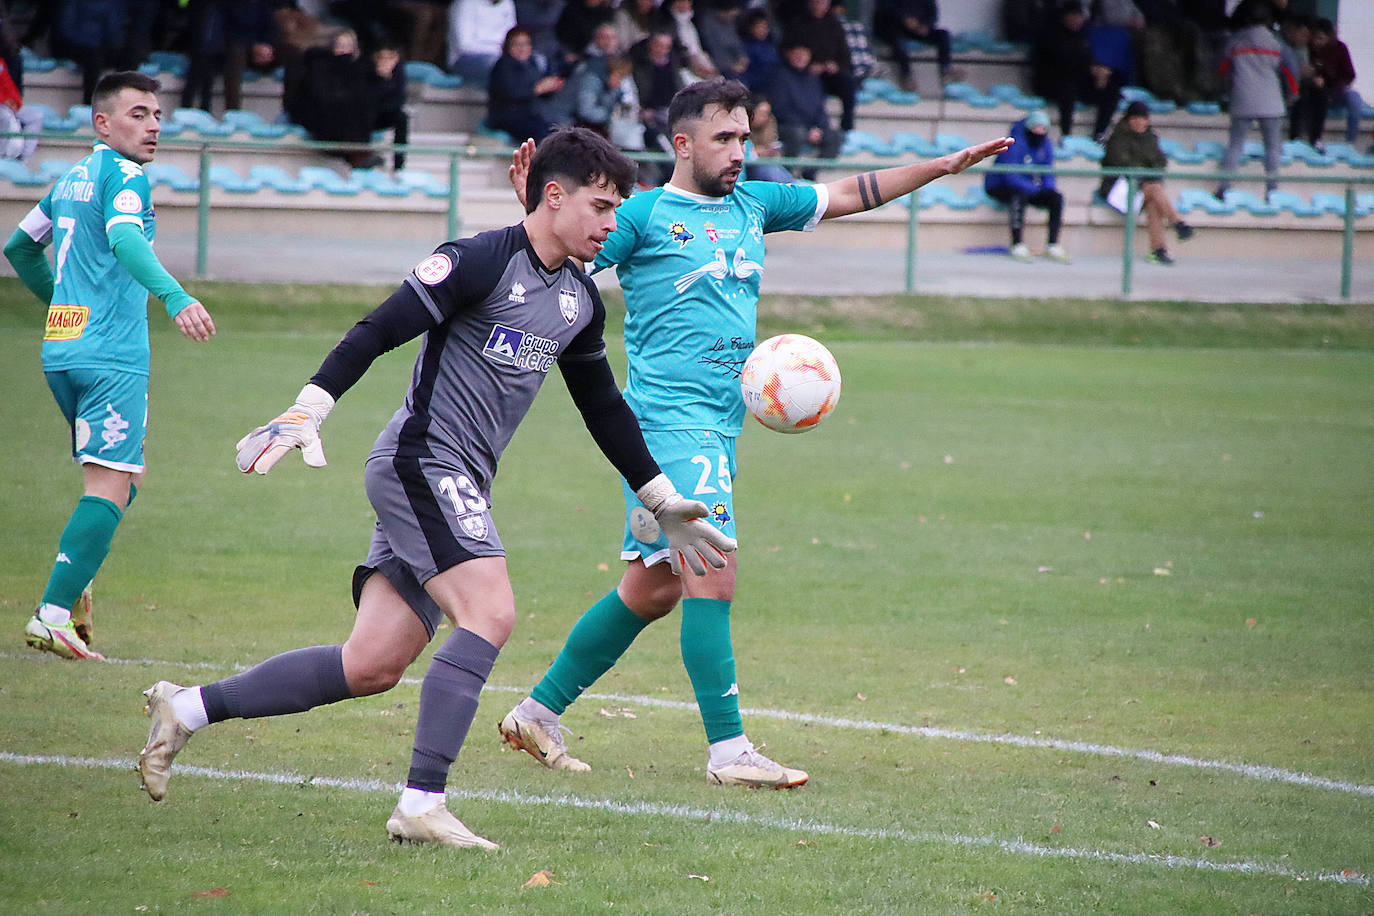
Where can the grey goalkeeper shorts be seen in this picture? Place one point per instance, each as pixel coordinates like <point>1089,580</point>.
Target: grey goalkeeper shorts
<point>431,517</point>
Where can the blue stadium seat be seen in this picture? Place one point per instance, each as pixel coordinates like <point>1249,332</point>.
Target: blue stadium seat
<point>34,63</point>
<point>1328,202</point>
<point>170,176</point>
<point>950,143</point>
<point>1364,203</point>
<point>379,182</point>
<point>225,177</point>
<point>53,169</point>
<point>1190,199</point>
<point>908,142</point>
<point>1005,91</point>
<point>942,194</point>
<point>1351,156</point>
<point>328,180</point>
<point>976,197</point>
<point>861,141</point>
<point>423,182</point>
<point>959,91</point>
<point>980,100</point>
<point>427,73</point>
<point>169,62</point>
<point>1251,202</point>
<point>278,179</point>
<point>1075,145</point>
<point>202,122</point>
<point>1177,152</point>
<point>80,114</point>
<point>1204,108</point>
<point>1210,149</point>
<point>1286,200</point>
<point>18,174</point>
<point>52,121</point>
<point>1300,151</point>
<point>486,130</point>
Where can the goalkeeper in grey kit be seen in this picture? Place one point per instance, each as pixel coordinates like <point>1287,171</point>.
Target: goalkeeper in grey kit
<point>496,311</point>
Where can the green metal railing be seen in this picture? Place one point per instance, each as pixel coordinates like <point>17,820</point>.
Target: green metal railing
<point>455,156</point>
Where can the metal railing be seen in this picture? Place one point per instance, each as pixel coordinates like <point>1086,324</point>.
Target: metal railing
<point>206,149</point>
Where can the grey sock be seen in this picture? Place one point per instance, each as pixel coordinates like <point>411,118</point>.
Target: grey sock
<point>448,703</point>
<point>291,682</point>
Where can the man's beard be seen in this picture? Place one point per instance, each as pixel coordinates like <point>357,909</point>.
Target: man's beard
<point>712,184</point>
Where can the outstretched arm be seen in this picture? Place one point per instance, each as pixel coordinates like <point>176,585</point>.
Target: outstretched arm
<point>873,189</point>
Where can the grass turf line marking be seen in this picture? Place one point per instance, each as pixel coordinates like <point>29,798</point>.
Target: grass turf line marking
<point>710,815</point>
<point>1248,770</point>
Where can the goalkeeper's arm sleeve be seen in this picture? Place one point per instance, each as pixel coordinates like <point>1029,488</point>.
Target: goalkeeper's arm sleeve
<point>401,318</point>
<point>31,264</point>
<point>135,254</point>
<point>609,419</point>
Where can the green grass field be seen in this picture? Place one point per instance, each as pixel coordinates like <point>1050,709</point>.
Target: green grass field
<point>1066,610</point>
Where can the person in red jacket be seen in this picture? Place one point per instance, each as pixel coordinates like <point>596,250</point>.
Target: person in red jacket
<point>1335,73</point>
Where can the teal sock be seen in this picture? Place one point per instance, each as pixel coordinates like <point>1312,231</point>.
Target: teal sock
<point>710,663</point>
<point>84,544</point>
<point>596,642</point>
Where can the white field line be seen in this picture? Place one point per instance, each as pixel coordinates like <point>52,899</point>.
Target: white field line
<point>724,815</point>
<point>1246,770</point>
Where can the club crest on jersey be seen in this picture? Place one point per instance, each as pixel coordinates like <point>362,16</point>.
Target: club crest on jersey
<point>567,305</point>
<point>517,292</point>
<point>513,347</point>
<point>711,233</point>
<point>474,526</point>
<point>678,233</point>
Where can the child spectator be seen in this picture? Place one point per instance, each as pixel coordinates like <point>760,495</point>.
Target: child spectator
<point>1133,144</point>
<point>821,31</point>
<point>764,59</point>
<point>1030,146</point>
<point>799,104</point>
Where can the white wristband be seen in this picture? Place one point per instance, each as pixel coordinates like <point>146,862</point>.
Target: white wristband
<point>316,400</point>
<point>656,492</point>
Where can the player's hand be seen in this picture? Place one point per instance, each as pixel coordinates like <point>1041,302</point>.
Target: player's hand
<point>195,322</point>
<point>298,427</point>
<point>957,162</point>
<point>519,172</point>
<point>691,540</point>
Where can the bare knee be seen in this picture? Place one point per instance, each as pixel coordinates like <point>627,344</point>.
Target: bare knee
<point>370,672</point>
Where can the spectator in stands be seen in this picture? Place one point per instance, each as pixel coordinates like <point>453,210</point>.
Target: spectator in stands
<point>633,21</point>
<point>335,98</point>
<point>1174,54</point>
<point>1064,71</point>
<point>476,30</point>
<point>799,105</point>
<point>861,59</point>
<point>428,25</point>
<point>1335,75</point>
<point>718,28</point>
<point>519,89</point>
<point>222,35</point>
<point>1262,81</point>
<point>594,87</point>
<point>540,17</point>
<point>658,71</point>
<point>898,21</point>
<point>1030,146</point>
<point>15,117</point>
<point>765,146</point>
<point>577,27</point>
<point>388,91</point>
<point>87,32</point>
<point>1133,144</point>
<point>764,59</point>
<point>1296,34</point>
<point>678,17</point>
<point>821,31</point>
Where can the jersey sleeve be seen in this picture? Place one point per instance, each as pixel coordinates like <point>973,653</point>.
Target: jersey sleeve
<point>457,276</point>
<point>620,244</point>
<point>124,193</point>
<point>790,206</point>
<point>37,223</point>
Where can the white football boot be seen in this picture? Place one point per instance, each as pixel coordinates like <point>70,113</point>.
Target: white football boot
<point>541,740</point>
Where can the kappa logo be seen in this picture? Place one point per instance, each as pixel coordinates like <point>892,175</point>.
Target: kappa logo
<point>114,428</point>
<point>678,233</point>
<point>567,305</point>
<point>130,169</point>
<point>513,347</point>
<point>517,292</point>
<point>732,692</point>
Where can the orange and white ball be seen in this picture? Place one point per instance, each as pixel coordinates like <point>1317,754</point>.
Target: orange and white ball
<point>790,383</point>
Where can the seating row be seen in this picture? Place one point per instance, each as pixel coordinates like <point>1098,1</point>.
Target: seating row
<point>1189,199</point>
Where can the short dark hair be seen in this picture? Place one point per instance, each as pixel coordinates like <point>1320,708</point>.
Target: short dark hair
<point>111,84</point>
<point>577,157</point>
<point>690,101</point>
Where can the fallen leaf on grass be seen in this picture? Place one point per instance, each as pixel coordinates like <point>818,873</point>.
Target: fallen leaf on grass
<point>541,878</point>
<point>1044,569</point>
<point>988,897</point>
<point>1054,829</point>
<point>630,771</point>
<point>1250,621</point>
<point>602,567</point>
<point>1154,825</point>
<point>801,843</point>
<point>1210,842</point>
<point>700,877</point>
<point>861,696</point>
<point>1009,680</point>
<point>212,892</point>
<point>1161,571</point>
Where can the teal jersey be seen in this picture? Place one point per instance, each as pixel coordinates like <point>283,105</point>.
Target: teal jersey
<point>98,318</point>
<point>690,267</point>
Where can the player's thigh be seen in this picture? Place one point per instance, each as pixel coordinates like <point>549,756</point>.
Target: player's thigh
<point>476,595</point>
<point>107,483</point>
<point>701,464</point>
<point>108,414</point>
<point>387,636</point>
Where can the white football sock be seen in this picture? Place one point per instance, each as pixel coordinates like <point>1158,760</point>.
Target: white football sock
<point>533,709</point>
<point>722,752</point>
<point>418,801</point>
<point>53,615</point>
<point>190,708</point>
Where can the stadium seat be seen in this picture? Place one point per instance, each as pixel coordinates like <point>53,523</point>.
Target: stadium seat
<point>328,180</point>
<point>52,121</point>
<point>1364,203</point>
<point>959,91</point>
<point>423,182</point>
<point>1300,151</point>
<point>942,194</point>
<point>225,177</point>
<point>1210,149</point>
<point>1204,108</point>
<point>169,62</point>
<point>1251,202</point>
<point>18,174</point>
<point>1286,200</point>
<point>1190,199</point>
<point>81,114</point>
<point>53,169</point>
<point>278,179</point>
<point>1177,152</point>
<point>1351,156</point>
<point>950,143</point>
<point>1074,145</point>
<point>170,176</point>
<point>379,182</point>
<point>861,141</point>
<point>1329,202</point>
<point>202,122</point>
<point>908,142</point>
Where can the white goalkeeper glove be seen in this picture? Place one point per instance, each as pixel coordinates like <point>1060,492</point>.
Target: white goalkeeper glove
<point>298,427</point>
<point>690,539</point>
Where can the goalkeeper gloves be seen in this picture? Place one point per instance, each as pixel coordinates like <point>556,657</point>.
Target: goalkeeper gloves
<point>690,539</point>
<point>298,427</point>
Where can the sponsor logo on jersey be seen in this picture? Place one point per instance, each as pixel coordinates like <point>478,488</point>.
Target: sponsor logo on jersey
<point>720,514</point>
<point>678,233</point>
<point>433,269</point>
<point>513,347</point>
<point>114,428</point>
<point>474,526</point>
<point>66,322</point>
<point>567,305</point>
<point>517,292</point>
<point>127,201</point>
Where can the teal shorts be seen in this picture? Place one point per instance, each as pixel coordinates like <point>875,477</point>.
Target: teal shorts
<point>701,464</point>
<point>108,414</point>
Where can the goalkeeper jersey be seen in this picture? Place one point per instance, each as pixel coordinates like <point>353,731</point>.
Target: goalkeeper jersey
<point>690,267</point>
<point>98,318</point>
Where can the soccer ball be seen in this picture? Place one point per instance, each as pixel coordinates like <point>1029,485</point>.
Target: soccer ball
<point>790,383</point>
